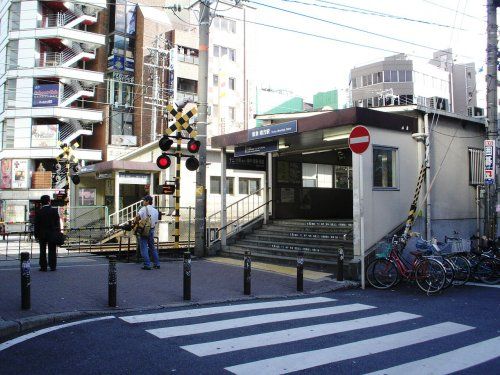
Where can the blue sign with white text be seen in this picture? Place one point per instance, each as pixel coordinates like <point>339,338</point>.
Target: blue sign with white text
<point>46,95</point>
<point>256,149</point>
<point>272,130</point>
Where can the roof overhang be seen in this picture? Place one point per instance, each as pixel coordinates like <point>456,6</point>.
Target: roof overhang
<point>120,165</point>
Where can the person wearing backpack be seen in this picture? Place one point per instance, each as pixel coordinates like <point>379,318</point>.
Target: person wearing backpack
<point>146,221</point>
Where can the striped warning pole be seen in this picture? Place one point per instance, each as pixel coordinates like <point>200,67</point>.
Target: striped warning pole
<point>413,208</point>
<point>177,189</point>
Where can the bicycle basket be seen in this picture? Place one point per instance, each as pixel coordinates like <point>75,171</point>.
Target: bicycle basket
<point>383,250</point>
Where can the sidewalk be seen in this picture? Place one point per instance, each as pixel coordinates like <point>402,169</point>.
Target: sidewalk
<point>79,288</point>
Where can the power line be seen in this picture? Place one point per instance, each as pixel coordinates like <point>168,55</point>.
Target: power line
<point>453,10</point>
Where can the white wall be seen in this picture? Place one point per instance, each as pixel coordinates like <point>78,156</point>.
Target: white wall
<point>383,209</point>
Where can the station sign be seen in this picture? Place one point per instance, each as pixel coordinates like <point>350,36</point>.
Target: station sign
<point>247,163</point>
<point>489,161</point>
<point>269,131</point>
<point>261,148</point>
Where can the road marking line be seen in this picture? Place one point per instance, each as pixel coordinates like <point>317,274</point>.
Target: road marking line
<point>193,329</point>
<point>486,285</point>
<point>17,340</point>
<point>190,313</point>
<point>295,334</point>
<point>306,360</point>
<point>449,362</point>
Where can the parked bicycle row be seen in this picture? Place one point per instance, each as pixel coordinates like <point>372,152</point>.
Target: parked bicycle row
<point>432,266</point>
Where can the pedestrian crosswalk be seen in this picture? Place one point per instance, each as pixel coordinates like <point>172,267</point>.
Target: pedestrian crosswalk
<point>346,332</point>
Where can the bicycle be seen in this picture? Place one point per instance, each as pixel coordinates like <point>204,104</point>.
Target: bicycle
<point>390,267</point>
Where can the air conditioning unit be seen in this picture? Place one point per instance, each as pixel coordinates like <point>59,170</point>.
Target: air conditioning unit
<point>439,103</point>
<point>475,112</point>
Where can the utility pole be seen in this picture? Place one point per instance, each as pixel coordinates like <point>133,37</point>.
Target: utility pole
<point>491,108</point>
<point>201,192</point>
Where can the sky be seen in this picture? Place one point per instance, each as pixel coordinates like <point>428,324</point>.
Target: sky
<point>309,64</point>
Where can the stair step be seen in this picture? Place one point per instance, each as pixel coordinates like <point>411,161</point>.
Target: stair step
<point>303,241</point>
<point>299,234</point>
<point>294,246</point>
<point>264,249</point>
<point>307,229</point>
<point>346,223</point>
<point>236,250</point>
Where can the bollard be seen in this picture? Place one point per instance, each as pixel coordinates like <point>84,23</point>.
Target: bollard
<point>187,276</point>
<point>25,281</point>
<point>300,271</point>
<point>112,281</point>
<point>247,273</point>
<point>340,265</point>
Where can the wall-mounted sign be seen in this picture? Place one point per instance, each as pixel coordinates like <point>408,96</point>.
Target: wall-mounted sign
<point>117,62</point>
<point>124,140</point>
<point>20,174</point>
<point>261,148</point>
<point>46,95</point>
<point>44,135</point>
<point>6,182</point>
<point>248,163</point>
<point>168,189</point>
<point>273,130</point>
<point>87,197</point>
<point>134,178</point>
<point>123,77</point>
<point>489,161</point>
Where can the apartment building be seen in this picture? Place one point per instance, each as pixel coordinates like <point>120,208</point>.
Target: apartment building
<point>398,80</point>
<point>47,95</point>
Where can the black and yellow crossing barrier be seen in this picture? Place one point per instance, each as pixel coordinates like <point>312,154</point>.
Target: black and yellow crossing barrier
<point>413,208</point>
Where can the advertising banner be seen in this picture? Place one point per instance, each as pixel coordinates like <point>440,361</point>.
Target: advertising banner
<point>6,174</point>
<point>489,162</point>
<point>44,135</point>
<point>46,95</point>
<point>20,174</point>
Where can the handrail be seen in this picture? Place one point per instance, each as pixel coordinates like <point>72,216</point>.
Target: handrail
<point>256,192</point>
<point>241,217</point>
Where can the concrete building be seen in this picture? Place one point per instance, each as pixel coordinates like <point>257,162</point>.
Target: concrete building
<point>47,94</point>
<point>398,80</point>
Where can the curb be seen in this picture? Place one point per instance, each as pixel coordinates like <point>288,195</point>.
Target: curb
<point>10,328</point>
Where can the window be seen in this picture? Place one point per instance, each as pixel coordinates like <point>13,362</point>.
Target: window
<point>402,76</point>
<point>215,185</point>
<point>87,197</point>
<point>216,51</point>
<point>231,113</point>
<point>10,93</point>
<point>232,83</point>
<point>387,76</point>
<point>122,123</point>
<point>476,166</point>
<point>354,83</point>
<point>343,177</point>
<point>317,175</point>
<point>409,76</point>
<point>15,16</point>
<point>384,167</point>
<point>8,134</point>
<point>248,186</point>
<point>394,76</point>
<point>215,80</point>
<point>220,51</point>
<point>232,54</point>
<point>12,54</point>
<point>189,55</point>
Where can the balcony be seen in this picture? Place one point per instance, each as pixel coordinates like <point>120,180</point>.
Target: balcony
<point>81,114</point>
<point>61,33</point>
<point>67,58</point>
<point>61,72</point>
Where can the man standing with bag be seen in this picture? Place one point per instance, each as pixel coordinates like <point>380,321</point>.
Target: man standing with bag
<point>47,227</point>
<point>146,221</point>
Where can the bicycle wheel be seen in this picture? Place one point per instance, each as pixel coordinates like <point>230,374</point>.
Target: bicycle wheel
<point>430,275</point>
<point>450,273</point>
<point>382,274</point>
<point>488,270</point>
<point>461,266</point>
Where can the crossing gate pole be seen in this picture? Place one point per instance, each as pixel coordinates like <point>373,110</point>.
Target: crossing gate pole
<point>340,265</point>
<point>112,281</point>
<point>177,195</point>
<point>413,208</point>
<point>187,276</point>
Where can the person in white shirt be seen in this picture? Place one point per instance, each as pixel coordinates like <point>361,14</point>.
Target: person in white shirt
<point>148,243</point>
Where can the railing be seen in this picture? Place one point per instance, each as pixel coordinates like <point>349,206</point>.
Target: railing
<point>84,216</point>
<point>128,213</point>
<point>238,214</point>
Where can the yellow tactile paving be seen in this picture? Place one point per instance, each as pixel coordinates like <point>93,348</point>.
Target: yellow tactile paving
<point>284,270</point>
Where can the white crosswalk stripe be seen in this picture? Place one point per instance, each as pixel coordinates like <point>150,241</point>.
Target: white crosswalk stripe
<point>295,334</point>
<point>449,362</point>
<point>297,313</point>
<point>191,313</point>
<point>193,329</point>
<point>305,360</point>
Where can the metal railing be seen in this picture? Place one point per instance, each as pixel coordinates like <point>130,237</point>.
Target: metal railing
<point>128,213</point>
<point>85,216</point>
<point>238,214</point>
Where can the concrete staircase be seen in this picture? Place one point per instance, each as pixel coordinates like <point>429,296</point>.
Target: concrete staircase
<point>281,240</point>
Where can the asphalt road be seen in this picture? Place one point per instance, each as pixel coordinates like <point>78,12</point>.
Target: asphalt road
<point>355,332</point>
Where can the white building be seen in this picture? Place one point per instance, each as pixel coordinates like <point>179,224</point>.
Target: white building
<point>46,92</point>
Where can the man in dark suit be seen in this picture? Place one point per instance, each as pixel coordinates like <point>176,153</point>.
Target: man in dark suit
<point>47,224</point>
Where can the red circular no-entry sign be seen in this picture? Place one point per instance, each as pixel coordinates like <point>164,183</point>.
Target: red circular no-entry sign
<point>359,139</point>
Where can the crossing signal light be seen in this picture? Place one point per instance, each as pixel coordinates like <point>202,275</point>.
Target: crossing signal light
<point>193,146</point>
<point>192,163</point>
<point>75,179</point>
<point>163,161</point>
<point>165,143</point>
